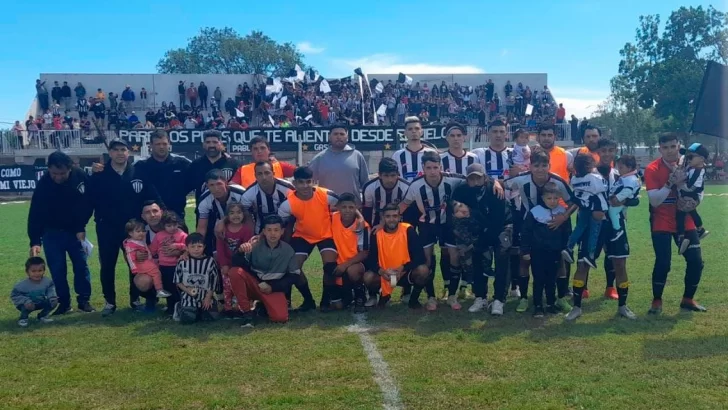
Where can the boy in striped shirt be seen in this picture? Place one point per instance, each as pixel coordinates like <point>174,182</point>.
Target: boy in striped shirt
<point>198,279</point>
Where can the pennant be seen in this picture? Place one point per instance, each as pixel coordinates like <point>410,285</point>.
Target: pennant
<point>363,78</point>
<point>382,110</point>
<point>377,86</point>
<point>309,117</point>
<point>312,75</point>
<point>239,113</point>
<point>324,87</point>
<point>273,86</point>
<point>404,78</point>
<point>270,118</point>
<point>299,73</point>
<point>282,102</point>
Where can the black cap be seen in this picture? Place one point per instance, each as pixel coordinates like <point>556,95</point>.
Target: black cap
<point>118,141</point>
<point>699,149</point>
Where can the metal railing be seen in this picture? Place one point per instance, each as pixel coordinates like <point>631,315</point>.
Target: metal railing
<point>14,141</point>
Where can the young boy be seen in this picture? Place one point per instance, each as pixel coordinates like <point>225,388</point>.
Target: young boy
<point>198,279</point>
<point>465,230</point>
<point>590,189</point>
<point>541,245</point>
<point>625,188</point>
<point>690,193</point>
<point>34,293</point>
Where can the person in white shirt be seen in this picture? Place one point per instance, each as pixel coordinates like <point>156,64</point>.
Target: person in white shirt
<point>590,190</point>
<point>625,188</point>
<point>521,150</point>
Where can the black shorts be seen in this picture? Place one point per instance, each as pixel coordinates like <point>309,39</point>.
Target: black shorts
<point>411,215</point>
<point>82,115</point>
<point>99,115</point>
<point>303,247</point>
<point>431,234</point>
<point>618,249</point>
<point>517,215</point>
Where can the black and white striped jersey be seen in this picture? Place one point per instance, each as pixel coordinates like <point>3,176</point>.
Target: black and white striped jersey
<point>211,208</point>
<point>261,204</point>
<point>376,197</point>
<point>496,163</point>
<point>456,165</point>
<point>591,191</point>
<point>531,193</point>
<point>410,162</point>
<point>201,274</point>
<point>433,201</point>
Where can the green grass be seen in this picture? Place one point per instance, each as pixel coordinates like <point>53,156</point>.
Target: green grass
<point>441,360</point>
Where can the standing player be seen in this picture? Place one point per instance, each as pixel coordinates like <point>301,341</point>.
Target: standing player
<point>351,237</point>
<point>266,194</point>
<point>431,193</point>
<point>386,188</point>
<point>213,205</point>
<point>661,182</point>
<point>307,213</point>
<point>260,148</point>
<point>409,158</point>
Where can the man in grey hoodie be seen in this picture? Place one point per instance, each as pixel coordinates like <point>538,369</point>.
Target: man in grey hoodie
<point>340,167</point>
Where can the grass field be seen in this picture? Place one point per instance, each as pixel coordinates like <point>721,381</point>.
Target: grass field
<point>440,360</point>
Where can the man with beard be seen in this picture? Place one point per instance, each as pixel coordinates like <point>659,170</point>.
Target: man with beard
<point>215,158</point>
<point>266,194</point>
<point>661,182</point>
<point>396,257</point>
<point>142,285</point>
<point>260,148</point>
<point>591,143</point>
<point>409,158</point>
<point>340,167</point>
<point>307,213</point>
<point>617,250</point>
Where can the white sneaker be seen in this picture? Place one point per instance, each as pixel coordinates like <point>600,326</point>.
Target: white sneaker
<point>45,319</point>
<point>575,313</point>
<point>372,301</point>
<point>496,308</point>
<point>23,322</point>
<point>626,312</point>
<point>163,294</point>
<point>516,293</point>
<point>175,315</point>
<point>453,302</point>
<point>478,305</point>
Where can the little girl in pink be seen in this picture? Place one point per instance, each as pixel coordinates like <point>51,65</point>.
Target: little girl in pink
<point>167,246</point>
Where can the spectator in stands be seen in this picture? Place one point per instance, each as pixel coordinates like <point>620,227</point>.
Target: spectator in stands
<point>100,95</point>
<point>42,94</point>
<point>181,89</point>
<point>190,123</point>
<point>508,89</point>
<point>66,96</point>
<point>217,94</point>
<point>574,122</point>
<point>143,98</point>
<point>56,93</point>
<point>18,131</point>
<point>203,94</point>
<point>80,91</point>
<point>401,112</point>
<point>560,114</point>
<point>113,102</point>
<point>113,117</point>
<point>192,95</point>
<point>133,118</point>
<point>82,106</point>
<point>128,97</point>
<point>99,110</point>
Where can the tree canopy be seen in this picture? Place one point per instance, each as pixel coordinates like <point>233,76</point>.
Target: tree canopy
<point>663,71</point>
<point>224,51</point>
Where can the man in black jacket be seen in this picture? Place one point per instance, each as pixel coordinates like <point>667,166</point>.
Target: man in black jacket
<point>116,194</point>
<point>57,221</point>
<point>494,241</point>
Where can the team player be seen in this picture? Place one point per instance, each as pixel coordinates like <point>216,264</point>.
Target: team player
<point>351,236</point>
<point>661,182</point>
<point>266,194</point>
<point>530,186</point>
<point>456,159</point>
<point>245,176</point>
<point>307,213</point>
<point>617,251</point>
<point>395,258</point>
<point>431,194</point>
<point>409,158</point>
<point>213,204</point>
<point>387,188</point>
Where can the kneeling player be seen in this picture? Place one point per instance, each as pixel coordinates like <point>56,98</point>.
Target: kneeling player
<point>351,237</point>
<point>309,207</point>
<point>396,258</point>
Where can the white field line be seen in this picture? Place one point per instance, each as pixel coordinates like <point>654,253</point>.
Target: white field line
<point>382,377</point>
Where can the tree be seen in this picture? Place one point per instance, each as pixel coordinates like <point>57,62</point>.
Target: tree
<point>629,124</point>
<point>665,71</point>
<point>224,51</point>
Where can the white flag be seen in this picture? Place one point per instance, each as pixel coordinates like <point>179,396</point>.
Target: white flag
<point>282,102</point>
<point>382,110</point>
<point>529,109</point>
<point>300,74</point>
<point>324,87</point>
<point>239,113</point>
<point>309,117</point>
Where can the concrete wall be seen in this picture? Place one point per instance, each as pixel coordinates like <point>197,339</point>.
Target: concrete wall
<point>535,80</point>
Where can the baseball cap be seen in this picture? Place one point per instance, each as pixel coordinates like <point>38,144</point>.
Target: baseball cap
<point>118,141</point>
<point>475,169</point>
<point>698,148</point>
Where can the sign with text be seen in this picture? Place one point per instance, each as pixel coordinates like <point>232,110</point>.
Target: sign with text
<point>19,178</point>
<point>366,138</point>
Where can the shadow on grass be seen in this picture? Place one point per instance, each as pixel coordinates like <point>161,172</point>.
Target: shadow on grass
<point>685,348</point>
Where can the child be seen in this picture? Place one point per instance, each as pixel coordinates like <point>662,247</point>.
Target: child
<point>136,242</point>
<point>236,233</point>
<point>590,188</point>
<point>466,231</point>
<point>541,245</point>
<point>521,150</point>
<point>690,193</point>
<point>197,278</point>
<point>625,188</point>
<point>34,293</point>
<point>166,247</point>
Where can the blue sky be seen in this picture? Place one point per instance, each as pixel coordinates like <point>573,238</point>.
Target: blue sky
<point>576,42</point>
